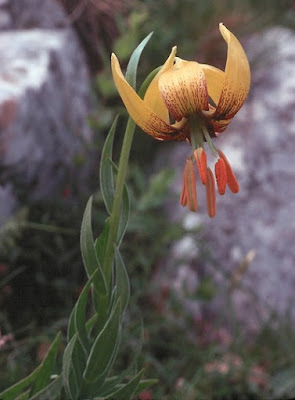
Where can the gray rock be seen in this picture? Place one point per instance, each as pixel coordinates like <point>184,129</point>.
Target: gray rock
<point>44,104</point>
<point>260,144</point>
<point>29,14</point>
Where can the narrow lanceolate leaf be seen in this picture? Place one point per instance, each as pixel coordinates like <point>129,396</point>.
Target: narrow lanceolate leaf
<point>91,323</point>
<point>43,377</point>
<point>12,392</point>
<point>127,391</point>
<point>106,169</point>
<point>122,280</point>
<point>80,310</point>
<point>73,366</point>
<point>124,217</point>
<point>101,242</point>
<point>87,243</point>
<point>104,347</point>
<point>147,81</point>
<point>101,294</point>
<point>114,381</point>
<point>52,391</point>
<point>90,258</point>
<point>24,396</point>
<point>145,384</point>
<point>131,71</point>
<point>71,325</point>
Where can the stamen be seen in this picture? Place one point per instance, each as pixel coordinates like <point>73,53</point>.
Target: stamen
<point>221,175</point>
<point>191,189</point>
<point>188,195</point>
<point>201,160</point>
<point>231,180</point>
<point>209,141</point>
<point>183,195</point>
<point>211,195</point>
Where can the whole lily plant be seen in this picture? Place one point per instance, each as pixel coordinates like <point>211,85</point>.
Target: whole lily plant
<point>181,100</point>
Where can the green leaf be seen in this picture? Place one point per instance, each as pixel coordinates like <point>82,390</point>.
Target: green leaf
<point>122,280</point>
<point>113,383</point>
<point>73,366</point>
<point>106,169</point>
<point>77,323</point>
<point>104,346</point>
<point>145,384</point>
<point>79,315</point>
<point>23,396</point>
<point>147,81</point>
<point>71,325</point>
<point>133,62</point>
<point>91,261</point>
<point>100,289</point>
<point>91,322</point>
<point>126,392</point>
<point>101,242</point>
<point>12,392</point>
<point>87,243</point>
<point>43,377</point>
<point>52,391</point>
<point>124,217</point>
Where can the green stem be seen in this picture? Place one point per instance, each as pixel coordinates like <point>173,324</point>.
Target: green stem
<point>117,204</point>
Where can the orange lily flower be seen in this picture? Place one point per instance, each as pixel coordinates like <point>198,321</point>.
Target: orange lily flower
<point>194,102</point>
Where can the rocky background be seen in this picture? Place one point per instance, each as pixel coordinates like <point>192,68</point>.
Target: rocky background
<point>251,238</point>
<point>44,100</point>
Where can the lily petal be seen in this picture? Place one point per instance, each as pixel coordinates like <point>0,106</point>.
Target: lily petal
<point>153,97</point>
<point>220,125</point>
<point>215,80</point>
<point>184,89</point>
<point>237,77</point>
<point>142,115</point>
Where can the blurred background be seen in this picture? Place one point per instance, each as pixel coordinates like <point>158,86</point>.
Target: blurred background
<point>216,297</point>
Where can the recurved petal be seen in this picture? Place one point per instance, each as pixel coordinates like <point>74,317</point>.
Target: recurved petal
<point>237,77</point>
<point>220,125</point>
<point>184,89</point>
<point>142,115</point>
<point>153,98</point>
<point>215,80</point>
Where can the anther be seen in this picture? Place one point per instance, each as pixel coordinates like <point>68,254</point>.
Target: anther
<point>188,195</point>
<point>183,195</point>
<point>221,175</point>
<point>210,193</point>
<point>231,180</point>
<point>201,160</point>
<point>191,189</point>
